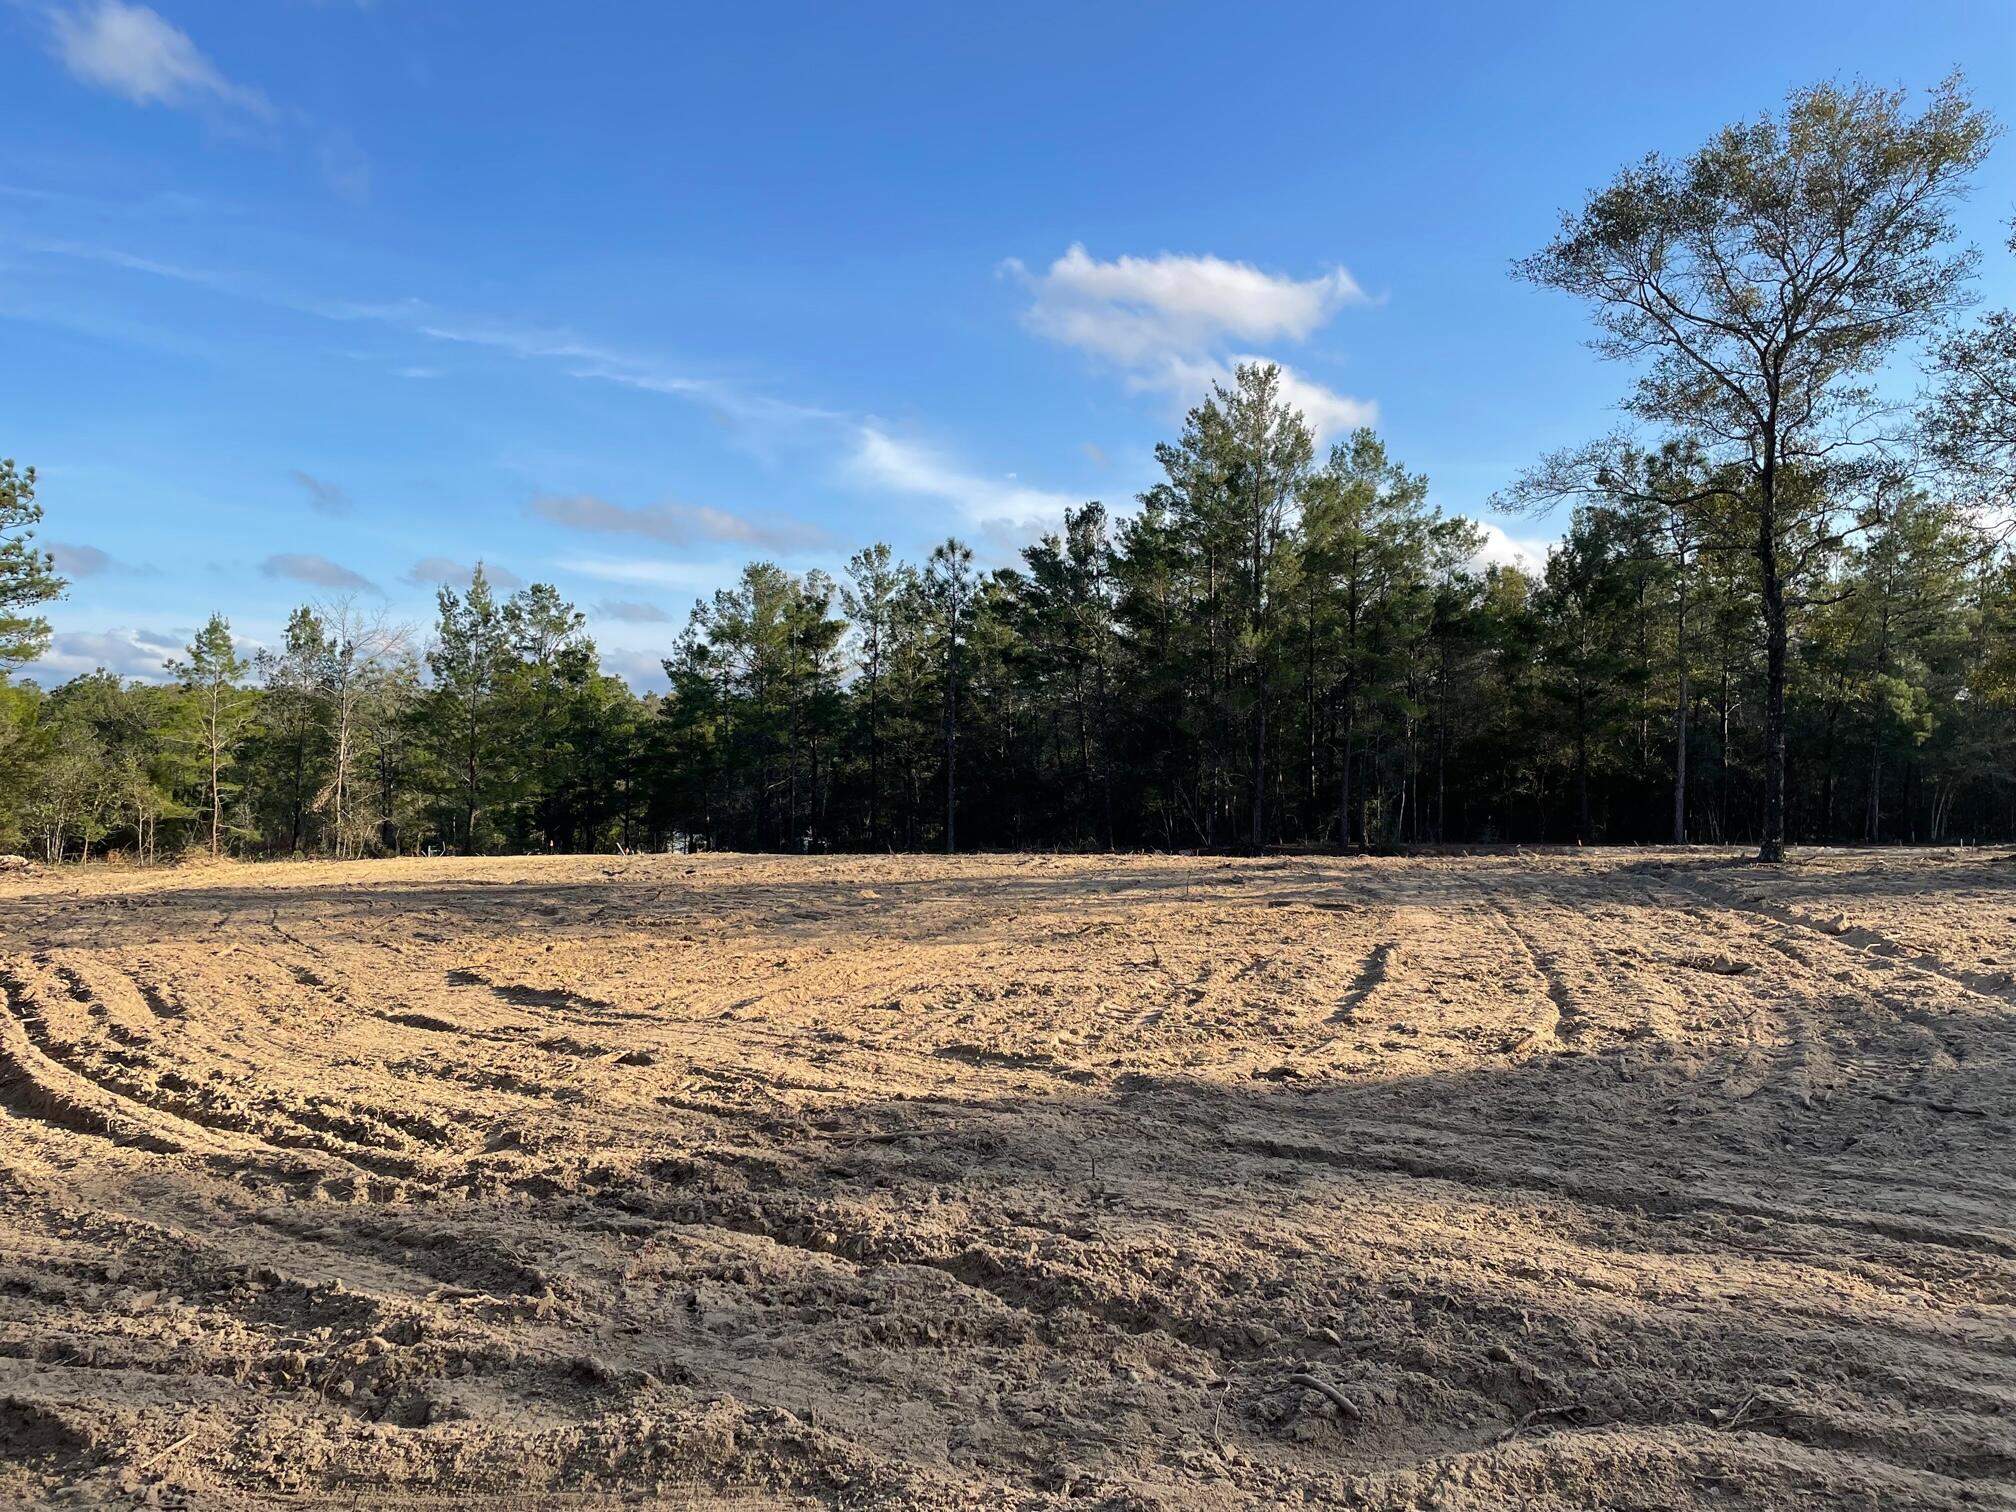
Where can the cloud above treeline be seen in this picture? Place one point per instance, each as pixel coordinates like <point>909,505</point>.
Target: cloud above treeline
<point>305,567</point>
<point>1500,549</point>
<point>650,572</point>
<point>883,461</point>
<point>632,612</point>
<point>644,671</point>
<point>433,572</point>
<point>74,560</point>
<point>1176,324</point>
<point>127,653</point>
<point>675,523</point>
<point>1141,310</point>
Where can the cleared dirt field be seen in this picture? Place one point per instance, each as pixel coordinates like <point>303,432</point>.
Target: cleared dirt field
<point>1627,1180</point>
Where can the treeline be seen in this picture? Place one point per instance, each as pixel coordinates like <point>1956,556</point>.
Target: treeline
<point>1316,655</point>
<point>1274,648</point>
<point>345,740</point>
<point>1781,610</point>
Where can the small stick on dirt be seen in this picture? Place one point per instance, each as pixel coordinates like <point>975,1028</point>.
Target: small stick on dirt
<point>160,1454</point>
<point>1736,1419</point>
<point>1323,1388</point>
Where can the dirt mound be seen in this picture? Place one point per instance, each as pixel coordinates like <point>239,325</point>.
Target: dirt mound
<point>1631,1180</point>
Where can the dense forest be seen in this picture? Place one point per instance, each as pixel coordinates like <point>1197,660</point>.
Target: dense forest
<point>1783,609</point>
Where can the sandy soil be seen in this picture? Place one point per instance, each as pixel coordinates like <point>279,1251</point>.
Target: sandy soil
<point>1627,1180</point>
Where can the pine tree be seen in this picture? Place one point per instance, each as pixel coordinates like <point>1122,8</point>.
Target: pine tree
<point>1757,284</point>
<point>220,712</point>
<point>470,660</point>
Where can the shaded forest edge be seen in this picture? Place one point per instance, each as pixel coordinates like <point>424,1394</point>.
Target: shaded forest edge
<point>1783,609</point>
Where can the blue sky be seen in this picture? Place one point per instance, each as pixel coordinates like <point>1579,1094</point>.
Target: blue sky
<point>305,298</point>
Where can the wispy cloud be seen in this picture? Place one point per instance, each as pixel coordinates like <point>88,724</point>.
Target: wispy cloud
<point>869,455</point>
<point>1177,324</point>
<point>130,51</point>
<point>169,203</point>
<point>133,52</point>
<point>115,257</point>
<point>648,572</point>
<point>78,561</point>
<point>345,168</point>
<point>632,612</point>
<point>675,523</point>
<point>881,461</point>
<point>305,567</point>
<point>581,357</point>
<point>75,560</point>
<point>324,497</point>
<point>432,572</point>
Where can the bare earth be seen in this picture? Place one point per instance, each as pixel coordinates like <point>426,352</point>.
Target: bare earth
<point>1628,1180</point>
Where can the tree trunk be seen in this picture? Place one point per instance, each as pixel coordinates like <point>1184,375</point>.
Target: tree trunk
<point>1260,775</point>
<point>1344,776</point>
<point>343,758</point>
<point>1680,723</point>
<point>1583,835</point>
<point>952,752</point>
<point>1442,748</point>
<point>1772,847</point>
<point>1309,809</point>
<point>875,759</point>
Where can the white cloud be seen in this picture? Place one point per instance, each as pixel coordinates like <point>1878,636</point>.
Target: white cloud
<point>658,573</point>
<point>883,461</point>
<point>1137,311</point>
<point>1329,413</point>
<point>643,670</point>
<point>1174,324</point>
<point>1501,549</point>
<point>129,653</point>
<point>130,51</point>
